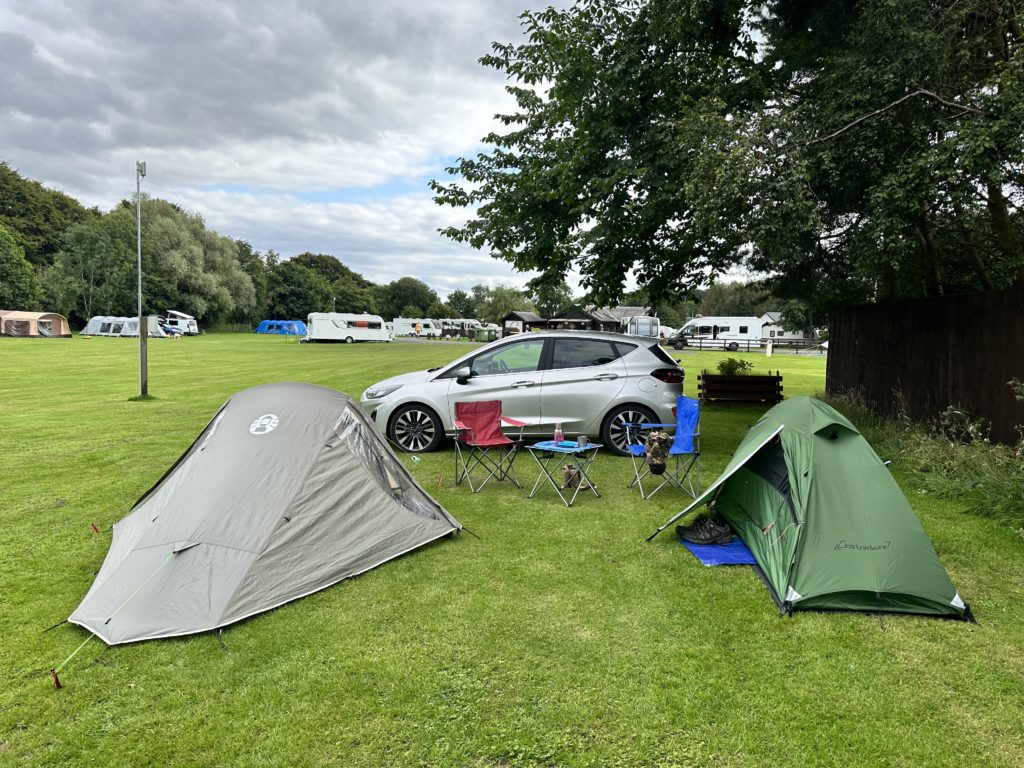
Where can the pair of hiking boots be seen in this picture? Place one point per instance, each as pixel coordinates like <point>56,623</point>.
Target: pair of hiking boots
<point>706,530</point>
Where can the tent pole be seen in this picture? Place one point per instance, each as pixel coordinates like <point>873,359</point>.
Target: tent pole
<point>666,525</point>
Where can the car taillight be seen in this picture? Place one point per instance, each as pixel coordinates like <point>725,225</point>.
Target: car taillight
<point>668,375</point>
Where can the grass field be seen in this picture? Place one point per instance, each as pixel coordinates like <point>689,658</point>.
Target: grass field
<point>556,638</point>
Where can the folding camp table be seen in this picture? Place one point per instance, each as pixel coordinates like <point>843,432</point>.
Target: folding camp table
<point>551,457</point>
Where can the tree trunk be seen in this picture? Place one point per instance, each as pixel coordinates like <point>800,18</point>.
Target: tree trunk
<point>977,263</point>
<point>926,240</point>
<point>1003,226</point>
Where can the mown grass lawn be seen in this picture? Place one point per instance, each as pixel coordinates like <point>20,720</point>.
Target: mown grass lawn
<point>556,638</point>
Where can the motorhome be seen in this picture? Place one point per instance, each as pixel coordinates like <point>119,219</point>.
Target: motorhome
<point>416,326</point>
<point>724,331</point>
<point>640,325</point>
<point>178,321</point>
<point>345,327</point>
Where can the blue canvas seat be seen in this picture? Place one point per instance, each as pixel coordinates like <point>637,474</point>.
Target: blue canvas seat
<point>682,470</point>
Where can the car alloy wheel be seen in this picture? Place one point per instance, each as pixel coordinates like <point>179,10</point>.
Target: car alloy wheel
<point>416,428</point>
<point>614,433</point>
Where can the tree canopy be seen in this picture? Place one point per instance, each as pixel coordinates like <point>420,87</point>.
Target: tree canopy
<point>18,286</point>
<point>849,151</point>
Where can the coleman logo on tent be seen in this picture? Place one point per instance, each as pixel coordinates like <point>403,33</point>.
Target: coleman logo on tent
<point>266,423</point>
<point>844,544</point>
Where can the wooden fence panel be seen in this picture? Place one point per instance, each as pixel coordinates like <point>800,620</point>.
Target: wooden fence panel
<point>739,389</point>
<point>929,354</point>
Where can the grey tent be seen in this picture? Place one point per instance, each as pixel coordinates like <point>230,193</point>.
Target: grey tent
<point>287,491</point>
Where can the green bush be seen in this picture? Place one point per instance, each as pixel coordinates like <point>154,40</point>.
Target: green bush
<point>950,458</point>
<point>732,366</point>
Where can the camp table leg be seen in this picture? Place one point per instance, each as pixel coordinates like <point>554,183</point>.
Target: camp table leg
<point>557,459</point>
<point>583,459</point>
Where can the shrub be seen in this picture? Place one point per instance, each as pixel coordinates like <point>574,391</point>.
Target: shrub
<point>732,366</point>
<point>950,458</point>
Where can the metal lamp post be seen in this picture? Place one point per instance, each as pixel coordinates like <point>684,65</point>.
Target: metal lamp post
<point>140,172</point>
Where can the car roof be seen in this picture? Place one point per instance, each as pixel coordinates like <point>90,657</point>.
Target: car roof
<point>609,335</point>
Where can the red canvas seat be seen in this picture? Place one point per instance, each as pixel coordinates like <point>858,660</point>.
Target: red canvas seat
<point>481,446</point>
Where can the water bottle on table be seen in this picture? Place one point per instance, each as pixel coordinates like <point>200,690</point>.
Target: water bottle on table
<point>558,434</point>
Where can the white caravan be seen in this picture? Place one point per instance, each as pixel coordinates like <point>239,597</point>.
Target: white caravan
<point>416,326</point>
<point>346,327</point>
<point>180,322</point>
<point>640,325</point>
<point>459,326</point>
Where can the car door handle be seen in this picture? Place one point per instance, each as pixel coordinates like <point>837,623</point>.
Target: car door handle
<point>606,377</point>
<point>521,384</point>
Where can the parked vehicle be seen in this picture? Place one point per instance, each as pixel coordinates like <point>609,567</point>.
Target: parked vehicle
<point>641,325</point>
<point>346,327</point>
<point>590,382</point>
<point>459,327</point>
<point>173,320</point>
<point>415,326</point>
<point>728,330</point>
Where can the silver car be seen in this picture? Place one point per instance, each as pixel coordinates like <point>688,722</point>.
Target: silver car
<point>592,383</point>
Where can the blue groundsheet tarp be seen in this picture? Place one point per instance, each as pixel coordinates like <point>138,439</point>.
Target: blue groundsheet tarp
<point>733,553</point>
<point>282,327</point>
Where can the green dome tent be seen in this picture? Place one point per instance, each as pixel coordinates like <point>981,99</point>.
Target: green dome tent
<point>825,519</point>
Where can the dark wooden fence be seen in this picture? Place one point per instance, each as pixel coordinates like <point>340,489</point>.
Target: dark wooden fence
<point>929,354</point>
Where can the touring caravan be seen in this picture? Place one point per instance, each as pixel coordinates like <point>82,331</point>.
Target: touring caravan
<point>416,326</point>
<point>346,327</point>
<point>460,327</point>
<point>640,325</point>
<point>180,322</point>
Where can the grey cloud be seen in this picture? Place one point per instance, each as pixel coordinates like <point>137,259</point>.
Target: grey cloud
<point>300,96</point>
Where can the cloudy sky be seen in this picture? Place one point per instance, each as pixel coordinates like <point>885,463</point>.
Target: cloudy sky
<point>298,126</point>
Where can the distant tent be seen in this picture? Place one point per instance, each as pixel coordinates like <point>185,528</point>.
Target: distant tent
<point>107,325</point>
<point>288,490</point>
<point>34,324</point>
<point>282,327</point>
<point>826,521</point>
<point>131,327</point>
<point>95,326</point>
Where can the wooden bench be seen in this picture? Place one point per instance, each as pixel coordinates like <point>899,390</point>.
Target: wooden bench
<point>714,388</point>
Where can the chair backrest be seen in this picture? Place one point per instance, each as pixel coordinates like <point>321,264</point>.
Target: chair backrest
<point>483,418</point>
<point>687,423</point>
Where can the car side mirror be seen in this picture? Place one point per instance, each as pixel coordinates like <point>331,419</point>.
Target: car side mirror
<point>463,375</point>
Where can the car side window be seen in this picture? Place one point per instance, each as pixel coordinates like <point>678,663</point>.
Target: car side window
<point>521,357</point>
<point>582,353</point>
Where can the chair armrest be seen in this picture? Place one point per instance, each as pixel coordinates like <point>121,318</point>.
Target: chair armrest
<point>464,433</point>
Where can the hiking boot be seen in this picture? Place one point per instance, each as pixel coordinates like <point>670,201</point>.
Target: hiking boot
<point>707,530</point>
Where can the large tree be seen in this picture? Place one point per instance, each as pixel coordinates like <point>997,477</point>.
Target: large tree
<point>847,150</point>
<point>404,294</point>
<point>19,288</point>
<point>185,266</point>
<point>36,216</point>
<point>294,291</point>
<point>462,304</point>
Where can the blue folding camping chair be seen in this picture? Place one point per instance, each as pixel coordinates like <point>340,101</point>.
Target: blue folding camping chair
<point>683,468</point>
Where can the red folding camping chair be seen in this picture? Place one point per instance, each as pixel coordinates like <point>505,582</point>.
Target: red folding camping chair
<point>481,445</point>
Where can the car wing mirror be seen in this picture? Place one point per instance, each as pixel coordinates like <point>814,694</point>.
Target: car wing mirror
<point>463,375</point>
